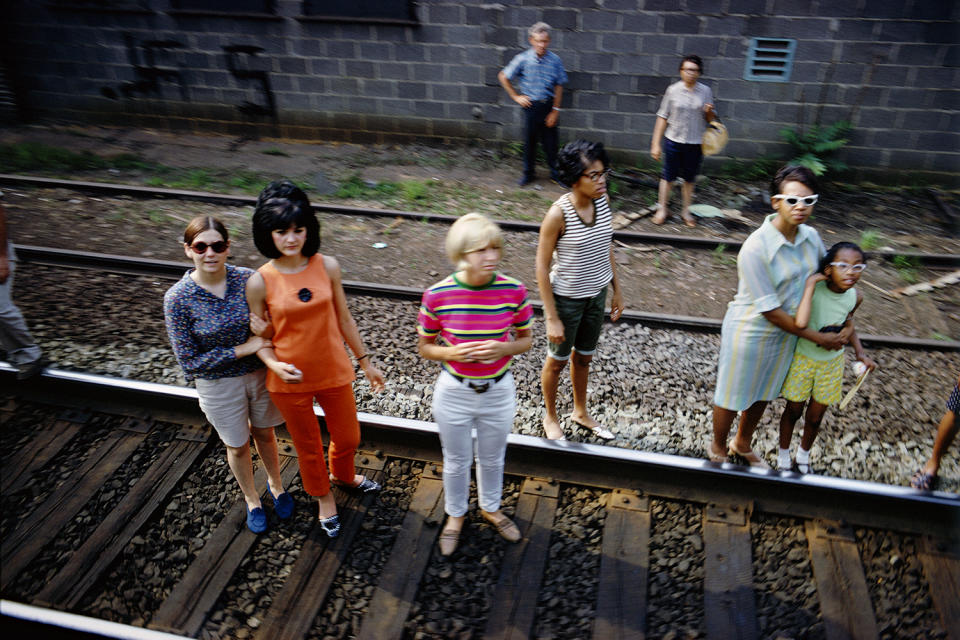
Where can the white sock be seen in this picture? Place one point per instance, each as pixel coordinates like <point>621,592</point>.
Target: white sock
<point>803,456</point>
<point>783,459</point>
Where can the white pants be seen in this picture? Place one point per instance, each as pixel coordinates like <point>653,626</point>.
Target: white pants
<point>14,335</point>
<point>458,410</point>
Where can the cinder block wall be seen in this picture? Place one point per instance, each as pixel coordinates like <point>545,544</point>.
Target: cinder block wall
<point>889,67</point>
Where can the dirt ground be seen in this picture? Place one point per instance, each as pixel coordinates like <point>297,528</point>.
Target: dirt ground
<point>655,278</point>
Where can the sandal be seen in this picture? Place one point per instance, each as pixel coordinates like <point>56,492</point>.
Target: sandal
<point>448,541</point>
<point>600,432</point>
<point>750,456</point>
<point>716,457</point>
<point>366,485</point>
<point>331,525</point>
<point>507,529</point>
<point>923,480</point>
<point>689,220</point>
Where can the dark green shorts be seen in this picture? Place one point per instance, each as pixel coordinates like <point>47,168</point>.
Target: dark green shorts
<point>582,320</point>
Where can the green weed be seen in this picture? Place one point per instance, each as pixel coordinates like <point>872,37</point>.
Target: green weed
<point>413,190</point>
<point>870,240</point>
<point>719,254</point>
<point>813,148</point>
<point>907,268</point>
<point>156,217</point>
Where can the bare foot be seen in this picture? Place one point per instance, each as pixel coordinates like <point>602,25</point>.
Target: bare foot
<point>584,420</point>
<point>688,219</point>
<point>660,216</point>
<point>328,506</point>
<point>551,426</point>
<point>715,454</point>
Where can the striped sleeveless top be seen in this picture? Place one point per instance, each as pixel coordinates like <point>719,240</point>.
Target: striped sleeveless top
<point>581,260</point>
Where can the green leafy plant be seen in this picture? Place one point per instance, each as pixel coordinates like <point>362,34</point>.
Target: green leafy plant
<point>813,148</point>
<point>870,239</point>
<point>719,254</point>
<point>907,268</point>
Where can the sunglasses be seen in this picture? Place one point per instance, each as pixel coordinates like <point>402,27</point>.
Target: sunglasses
<point>807,201</point>
<point>219,246</point>
<point>853,268</point>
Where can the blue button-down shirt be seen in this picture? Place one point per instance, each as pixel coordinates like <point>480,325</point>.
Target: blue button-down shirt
<point>537,76</point>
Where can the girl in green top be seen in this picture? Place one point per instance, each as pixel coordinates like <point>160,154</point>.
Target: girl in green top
<point>816,374</point>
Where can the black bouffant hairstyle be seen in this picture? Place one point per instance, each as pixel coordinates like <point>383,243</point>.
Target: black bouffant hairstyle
<point>576,156</point>
<point>793,173</point>
<point>695,60</point>
<point>280,205</point>
<point>831,255</point>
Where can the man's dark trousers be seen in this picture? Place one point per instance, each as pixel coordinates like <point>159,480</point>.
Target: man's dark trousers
<point>535,129</point>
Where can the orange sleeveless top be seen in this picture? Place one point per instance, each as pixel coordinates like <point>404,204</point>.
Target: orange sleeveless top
<point>306,330</point>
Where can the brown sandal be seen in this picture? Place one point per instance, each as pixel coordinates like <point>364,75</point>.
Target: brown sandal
<point>448,541</point>
<point>507,529</point>
<point>750,456</point>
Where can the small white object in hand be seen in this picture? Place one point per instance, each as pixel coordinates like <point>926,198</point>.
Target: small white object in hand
<point>859,368</point>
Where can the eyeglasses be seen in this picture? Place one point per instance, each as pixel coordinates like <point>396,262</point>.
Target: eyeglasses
<point>852,268</point>
<point>219,246</point>
<point>691,69</point>
<point>596,176</point>
<point>807,201</point>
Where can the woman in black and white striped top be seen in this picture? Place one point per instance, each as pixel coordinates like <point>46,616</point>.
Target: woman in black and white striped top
<point>576,235</point>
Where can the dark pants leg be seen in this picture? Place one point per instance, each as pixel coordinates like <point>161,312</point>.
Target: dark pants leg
<point>534,129</point>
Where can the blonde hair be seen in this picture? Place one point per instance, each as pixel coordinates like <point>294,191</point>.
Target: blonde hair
<point>471,232</point>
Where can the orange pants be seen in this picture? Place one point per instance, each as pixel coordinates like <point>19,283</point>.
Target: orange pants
<point>340,410</point>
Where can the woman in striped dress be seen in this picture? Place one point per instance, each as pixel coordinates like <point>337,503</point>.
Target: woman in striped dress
<point>576,235</point>
<point>759,334</point>
<point>474,311</point>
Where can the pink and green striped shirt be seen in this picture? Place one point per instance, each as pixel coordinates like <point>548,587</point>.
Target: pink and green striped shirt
<point>460,313</point>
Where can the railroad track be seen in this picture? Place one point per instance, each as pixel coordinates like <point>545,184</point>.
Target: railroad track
<point>174,271</point>
<point>386,551</point>
<point>683,241</point>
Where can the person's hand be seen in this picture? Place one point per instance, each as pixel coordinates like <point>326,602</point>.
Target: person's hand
<point>846,333</point>
<point>372,374</point>
<point>830,341</point>
<point>258,342</point>
<point>655,152</point>
<point>258,325</point>
<point>554,330</point>
<point>287,372</point>
<point>868,363</point>
<point>815,278</point>
<point>523,100</point>
<point>708,112</point>
<point>486,351</point>
<point>616,306</point>
<point>551,120</point>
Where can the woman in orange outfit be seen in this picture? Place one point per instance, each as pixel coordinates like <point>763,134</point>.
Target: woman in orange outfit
<point>300,295</point>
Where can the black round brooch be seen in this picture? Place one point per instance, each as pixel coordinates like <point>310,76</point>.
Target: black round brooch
<point>304,294</point>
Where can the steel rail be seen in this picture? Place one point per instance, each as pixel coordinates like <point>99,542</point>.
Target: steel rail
<point>22,619</point>
<point>67,258</point>
<point>696,242</point>
<point>856,502</point>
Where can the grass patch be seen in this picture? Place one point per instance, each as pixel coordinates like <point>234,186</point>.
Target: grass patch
<point>870,240</point>
<point>907,268</point>
<point>720,255</point>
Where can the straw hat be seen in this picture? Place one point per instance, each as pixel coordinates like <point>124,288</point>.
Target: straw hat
<point>714,138</point>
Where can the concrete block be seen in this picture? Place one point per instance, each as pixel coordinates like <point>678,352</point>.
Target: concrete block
<point>642,22</point>
<point>777,27</point>
<point>807,71</point>
<point>755,111</point>
<point>909,98</point>
<point>949,162</point>
<point>864,30</point>
<point>358,31</point>
<point>447,54</point>
<point>703,46</point>
<point>343,86</point>
<point>920,55</point>
<point>595,101</point>
<point>864,96</point>
<point>789,113</point>
<point>311,84</point>
<point>592,20</point>
<point>465,74</point>
<point>622,5</point>
<point>815,50</point>
<point>443,13</point>
<point>428,72</point>
<point>889,139</point>
<point>579,41</point>
<point>430,34</point>
<point>483,55</point>
<point>363,104</point>
<point>392,70</point>
<point>429,109</point>
<point>359,69</point>
<point>891,9</point>
<point>608,120</point>
<point>560,19</point>
<point>783,91</point>
<point>296,66</point>
<point>876,118</point>
<point>619,43</point>
<point>664,5</point>
<point>615,83</point>
<point>793,8</point>
<point>934,11</point>
<point>504,36</point>
<point>446,92</point>
<point>308,47</point>
<point>341,49</point>
<point>398,107</point>
<point>376,51</point>
<point>942,32</point>
<point>411,90</point>
<point>724,25</point>
<point>660,45</point>
<point>952,56</point>
<point>849,73</point>
<point>703,7</point>
<point>409,52</point>
<point>596,62</point>
<point>889,75</point>
<point>631,103</point>
<point>477,94</point>
<point>378,88</point>
<point>652,85</point>
<point>903,31</point>
<point>485,14</point>
<point>947,99</point>
<point>681,23</point>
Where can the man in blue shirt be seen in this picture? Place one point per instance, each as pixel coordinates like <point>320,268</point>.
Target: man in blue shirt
<point>541,77</point>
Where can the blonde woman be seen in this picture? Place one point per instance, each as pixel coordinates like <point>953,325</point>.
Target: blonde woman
<point>483,318</point>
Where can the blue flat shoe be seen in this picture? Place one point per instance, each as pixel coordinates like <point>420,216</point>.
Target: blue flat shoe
<point>331,526</point>
<point>282,505</point>
<point>256,520</point>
